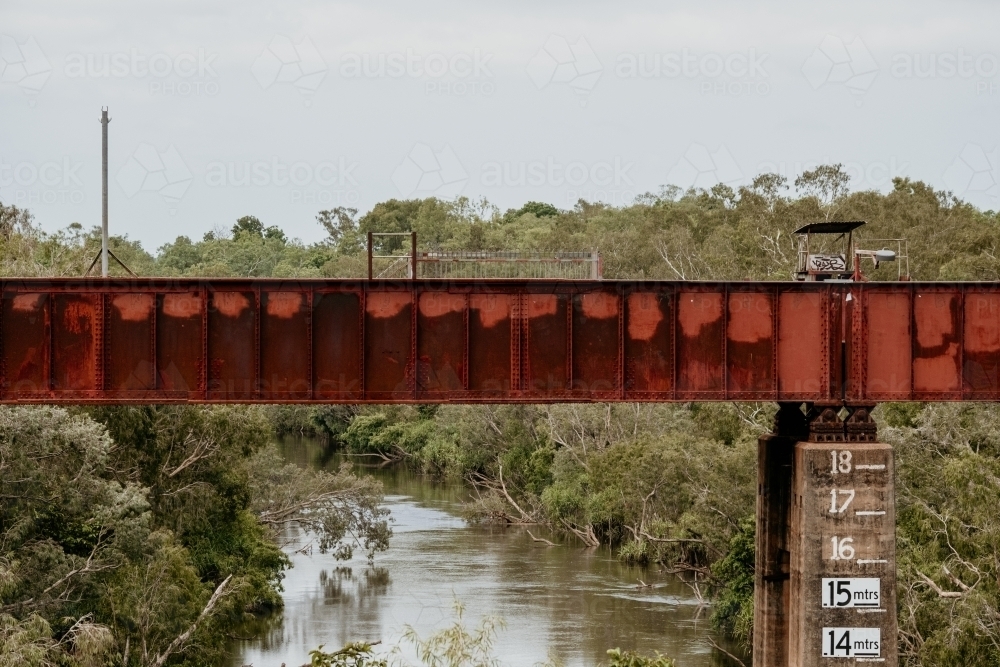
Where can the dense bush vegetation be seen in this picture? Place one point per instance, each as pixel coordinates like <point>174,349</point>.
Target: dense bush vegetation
<point>130,535</point>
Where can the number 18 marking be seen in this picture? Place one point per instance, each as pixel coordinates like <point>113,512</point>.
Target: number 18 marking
<point>841,461</point>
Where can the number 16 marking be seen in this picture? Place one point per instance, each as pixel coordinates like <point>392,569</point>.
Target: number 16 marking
<point>833,500</point>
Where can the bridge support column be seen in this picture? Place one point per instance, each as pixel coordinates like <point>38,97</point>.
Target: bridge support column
<point>826,565</point>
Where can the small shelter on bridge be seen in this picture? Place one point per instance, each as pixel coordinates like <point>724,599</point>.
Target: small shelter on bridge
<point>822,258</point>
<point>819,257</point>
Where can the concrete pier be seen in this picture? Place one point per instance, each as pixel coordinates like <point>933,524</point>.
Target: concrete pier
<point>826,558</point>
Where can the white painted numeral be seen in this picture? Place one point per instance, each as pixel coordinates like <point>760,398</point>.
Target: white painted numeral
<point>834,508</point>
<point>841,461</point>
<point>841,548</point>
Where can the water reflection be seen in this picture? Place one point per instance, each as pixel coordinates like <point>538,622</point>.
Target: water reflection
<point>564,602</point>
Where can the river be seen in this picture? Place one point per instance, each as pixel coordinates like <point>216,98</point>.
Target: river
<point>563,602</point>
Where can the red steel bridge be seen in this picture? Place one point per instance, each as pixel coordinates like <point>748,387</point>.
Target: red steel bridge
<point>826,351</point>
<point>156,340</point>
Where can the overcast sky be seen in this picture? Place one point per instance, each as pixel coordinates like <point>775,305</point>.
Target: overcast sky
<point>280,110</point>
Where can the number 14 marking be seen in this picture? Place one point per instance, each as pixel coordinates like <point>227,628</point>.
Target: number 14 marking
<point>834,509</point>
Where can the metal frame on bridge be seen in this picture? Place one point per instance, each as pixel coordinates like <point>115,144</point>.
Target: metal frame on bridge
<point>337,341</point>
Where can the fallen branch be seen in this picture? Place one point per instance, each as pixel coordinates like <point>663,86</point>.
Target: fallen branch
<point>480,480</point>
<point>542,539</point>
<point>680,540</point>
<point>681,568</point>
<point>202,449</point>
<point>719,648</point>
<point>955,580</point>
<point>696,589</point>
<point>588,536</point>
<point>503,489</point>
<point>181,639</point>
<point>937,589</point>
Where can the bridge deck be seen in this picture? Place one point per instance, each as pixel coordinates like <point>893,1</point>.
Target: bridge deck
<point>335,341</point>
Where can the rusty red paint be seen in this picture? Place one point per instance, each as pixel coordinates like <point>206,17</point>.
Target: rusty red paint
<point>982,343</point>
<point>644,315</point>
<point>179,361</point>
<point>27,303</point>
<point>547,344</point>
<point>700,344</point>
<point>182,305</point>
<point>750,343</point>
<point>284,346</point>
<point>441,362</point>
<point>489,360</point>
<point>146,341</point>
<point>649,350</point>
<point>284,305</point>
<point>937,320</point>
<point>130,327</point>
<point>25,344</point>
<point>802,363</point>
<point>232,346</point>
<point>74,356</point>
<point>596,349</point>
<point>889,347</point>
<point>388,345</point>
<point>337,348</point>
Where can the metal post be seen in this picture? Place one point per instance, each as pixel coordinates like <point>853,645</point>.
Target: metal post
<point>413,255</point>
<point>370,250</point>
<point>104,191</point>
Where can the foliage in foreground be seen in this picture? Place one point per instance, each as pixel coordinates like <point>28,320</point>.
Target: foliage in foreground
<point>619,658</point>
<point>136,536</point>
<point>357,654</point>
<point>457,645</point>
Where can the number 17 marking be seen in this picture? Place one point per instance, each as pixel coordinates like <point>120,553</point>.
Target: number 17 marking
<point>834,509</point>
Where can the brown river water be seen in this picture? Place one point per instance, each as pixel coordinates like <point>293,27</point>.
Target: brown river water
<point>564,602</point>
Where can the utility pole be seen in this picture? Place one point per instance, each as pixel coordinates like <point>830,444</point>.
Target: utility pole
<point>105,252</point>
<point>104,194</point>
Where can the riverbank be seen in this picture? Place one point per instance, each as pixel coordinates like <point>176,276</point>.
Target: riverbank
<point>564,602</point>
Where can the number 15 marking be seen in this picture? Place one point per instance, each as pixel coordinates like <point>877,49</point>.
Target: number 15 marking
<point>834,509</point>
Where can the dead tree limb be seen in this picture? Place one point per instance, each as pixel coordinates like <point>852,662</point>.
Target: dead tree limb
<point>937,589</point>
<point>181,639</point>
<point>541,539</point>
